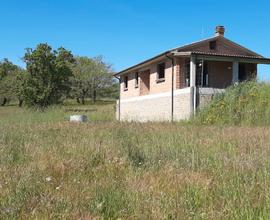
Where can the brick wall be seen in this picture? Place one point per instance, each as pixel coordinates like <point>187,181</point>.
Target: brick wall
<point>155,87</point>
<point>222,46</point>
<point>144,78</point>
<point>132,90</point>
<point>182,69</point>
<point>219,74</point>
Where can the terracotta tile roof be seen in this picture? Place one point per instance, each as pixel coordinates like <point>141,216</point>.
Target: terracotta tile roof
<point>187,46</point>
<point>228,55</point>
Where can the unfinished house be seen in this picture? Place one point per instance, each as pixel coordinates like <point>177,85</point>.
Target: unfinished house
<point>172,85</point>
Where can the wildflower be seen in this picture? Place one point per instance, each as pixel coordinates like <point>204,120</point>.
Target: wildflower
<point>99,205</point>
<point>48,179</point>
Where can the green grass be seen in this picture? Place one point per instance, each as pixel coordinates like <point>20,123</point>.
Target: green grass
<point>245,104</point>
<point>101,111</point>
<point>103,169</point>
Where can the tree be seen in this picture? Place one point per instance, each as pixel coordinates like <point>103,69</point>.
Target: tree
<point>110,92</point>
<point>89,76</point>
<point>7,70</point>
<point>48,75</point>
<point>5,90</point>
<point>11,85</point>
<point>82,78</point>
<point>102,78</point>
<point>18,79</point>
<point>6,67</point>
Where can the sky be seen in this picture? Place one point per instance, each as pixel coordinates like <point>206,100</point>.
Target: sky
<point>126,32</point>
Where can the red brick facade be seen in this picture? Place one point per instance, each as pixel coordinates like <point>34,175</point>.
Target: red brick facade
<point>219,73</point>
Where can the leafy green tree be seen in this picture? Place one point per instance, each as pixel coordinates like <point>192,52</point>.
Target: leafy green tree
<point>11,86</point>
<point>82,78</point>
<point>18,79</point>
<point>6,67</point>
<point>102,79</point>
<point>90,75</point>
<point>5,90</point>
<point>7,70</point>
<point>48,78</point>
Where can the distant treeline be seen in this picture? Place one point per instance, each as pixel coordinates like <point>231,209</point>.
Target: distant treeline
<point>52,76</point>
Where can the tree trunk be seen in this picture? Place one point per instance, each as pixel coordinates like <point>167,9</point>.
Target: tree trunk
<point>78,100</point>
<point>4,102</point>
<point>94,96</point>
<point>20,102</point>
<point>83,101</point>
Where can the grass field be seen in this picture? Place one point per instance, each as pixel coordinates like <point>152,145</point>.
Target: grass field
<point>103,169</point>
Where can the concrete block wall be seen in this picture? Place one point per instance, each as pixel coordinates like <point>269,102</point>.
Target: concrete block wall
<point>155,107</point>
<point>205,96</point>
<point>182,104</point>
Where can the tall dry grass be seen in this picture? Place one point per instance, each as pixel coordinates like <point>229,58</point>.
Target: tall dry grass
<point>53,169</point>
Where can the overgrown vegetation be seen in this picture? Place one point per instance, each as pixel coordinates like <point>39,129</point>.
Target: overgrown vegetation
<point>245,104</point>
<point>54,169</point>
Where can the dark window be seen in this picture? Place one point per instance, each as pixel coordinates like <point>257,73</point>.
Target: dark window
<point>161,71</point>
<point>242,72</point>
<point>125,82</point>
<point>136,80</point>
<point>187,72</point>
<point>212,45</point>
<point>199,73</point>
<point>202,73</point>
<point>205,74</point>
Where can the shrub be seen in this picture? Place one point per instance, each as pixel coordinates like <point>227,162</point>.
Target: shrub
<point>245,104</point>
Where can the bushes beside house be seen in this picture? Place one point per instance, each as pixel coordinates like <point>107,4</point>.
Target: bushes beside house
<point>245,104</point>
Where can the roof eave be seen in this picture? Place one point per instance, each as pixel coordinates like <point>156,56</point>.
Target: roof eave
<point>224,57</point>
<point>141,64</point>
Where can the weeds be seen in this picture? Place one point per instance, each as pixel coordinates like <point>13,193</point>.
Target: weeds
<point>53,169</point>
<point>245,104</point>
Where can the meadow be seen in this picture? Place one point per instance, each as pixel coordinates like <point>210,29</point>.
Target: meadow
<point>103,169</point>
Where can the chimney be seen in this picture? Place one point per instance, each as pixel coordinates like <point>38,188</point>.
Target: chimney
<point>220,30</point>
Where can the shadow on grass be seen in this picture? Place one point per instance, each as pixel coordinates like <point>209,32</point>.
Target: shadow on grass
<point>88,102</point>
<point>80,110</point>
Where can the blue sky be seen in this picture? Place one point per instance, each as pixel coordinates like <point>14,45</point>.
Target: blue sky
<point>127,32</point>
